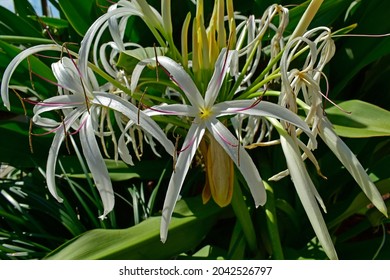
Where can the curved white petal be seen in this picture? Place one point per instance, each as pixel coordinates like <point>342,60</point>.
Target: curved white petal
<point>15,62</point>
<point>96,164</point>
<point>115,31</point>
<point>94,28</point>
<point>57,103</point>
<point>122,145</point>
<point>191,143</point>
<point>241,158</point>
<point>220,69</point>
<point>54,149</point>
<point>304,187</point>
<point>133,113</point>
<point>67,76</point>
<point>66,103</point>
<point>176,73</point>
<point>137,73</point>
<point>183,80</point>
<point>352,164</point>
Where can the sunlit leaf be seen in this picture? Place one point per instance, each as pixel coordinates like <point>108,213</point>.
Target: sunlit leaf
<point>365,120</point>
<point>190,222</point>
<point>16,25</point>
<point>78,13</point>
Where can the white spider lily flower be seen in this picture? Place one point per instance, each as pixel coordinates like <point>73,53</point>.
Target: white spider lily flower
<point>205,112</point>
<point>81,107</point>
<point>307,82</point>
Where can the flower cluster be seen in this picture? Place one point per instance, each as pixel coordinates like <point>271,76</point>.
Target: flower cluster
<point>225,101</point>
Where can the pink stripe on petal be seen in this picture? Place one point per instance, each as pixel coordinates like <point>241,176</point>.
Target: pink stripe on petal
<point>51,104</point>
<point>163,111</point>
<point>226,140</point>
<point>191,142</point>
<point>254,104</point>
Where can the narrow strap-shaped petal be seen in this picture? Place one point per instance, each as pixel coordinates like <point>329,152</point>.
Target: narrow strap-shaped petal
<point>261,109</point>
<point>178,75</point>
<point>241,158</point>
<point>138,116</point>
<point>58,103</point>
<point>352,164</point>
<point>94,28</point>
<point>304,187</point>
<point>173,109</point>
<point>54,149</point>
<point>15,62</point>
<point>220,69</point>
<point>191,143</point>
<point>115,31</point>
<point>62,102</point>
<point>96,164</point>
<point>122,146</point>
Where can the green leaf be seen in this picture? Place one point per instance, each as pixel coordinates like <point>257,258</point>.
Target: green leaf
<point>240,209</point>
<point>365,120</point>
<point>16,25</point>
<point>355,53</point>
<point>329,12</point>
<point>24,8</point>
<point>78,13</point>
<point>13,39</point>
<point>190,222</point>
<point>359,202</point>
<point>52,22</point>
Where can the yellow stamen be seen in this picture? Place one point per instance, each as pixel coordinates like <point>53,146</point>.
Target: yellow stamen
<point>205,113</point>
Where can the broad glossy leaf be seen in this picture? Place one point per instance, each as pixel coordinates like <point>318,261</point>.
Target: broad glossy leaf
<point>365,120</point>
<point>78,13</point>
<point>52,22</point>
<point>190,222</point>
<point>24,8</point>
<point>17,25</point>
